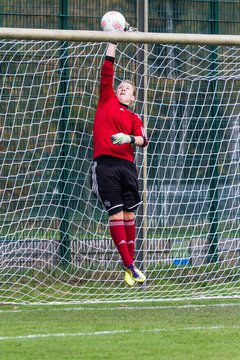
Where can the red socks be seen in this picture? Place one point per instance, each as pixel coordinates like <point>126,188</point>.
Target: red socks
<point>123,234</point>
<point>130,230</point>
<point>117,231</point>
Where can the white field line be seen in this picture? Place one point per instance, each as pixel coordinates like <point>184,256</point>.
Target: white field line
<point>116,332</point>
<point>124,306</point>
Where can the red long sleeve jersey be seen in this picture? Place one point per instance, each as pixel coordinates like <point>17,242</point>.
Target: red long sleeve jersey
<point>112,117</point>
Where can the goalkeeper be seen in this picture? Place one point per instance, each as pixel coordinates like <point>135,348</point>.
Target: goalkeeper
<point>114,178</point>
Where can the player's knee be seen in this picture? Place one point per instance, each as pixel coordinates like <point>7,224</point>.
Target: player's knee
<point>128,215</point>
<point>117,216</point>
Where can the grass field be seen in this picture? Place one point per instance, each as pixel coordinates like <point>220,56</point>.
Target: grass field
<point>177,330</point>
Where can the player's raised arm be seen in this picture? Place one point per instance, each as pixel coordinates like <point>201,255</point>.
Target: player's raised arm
<point>107,73</point>
<point>111,50</point>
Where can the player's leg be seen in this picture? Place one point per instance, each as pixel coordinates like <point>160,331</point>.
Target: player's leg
<point>130,230</point>
<point>108,190</point>
<point>131,200</point>
<point>118,234</point>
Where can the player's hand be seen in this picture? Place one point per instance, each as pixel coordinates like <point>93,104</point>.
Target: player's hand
<point>121,138</point>
<point>127,25</point>
<point>129,28</point>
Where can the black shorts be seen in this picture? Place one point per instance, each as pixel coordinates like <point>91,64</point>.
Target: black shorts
<point>114,182</point>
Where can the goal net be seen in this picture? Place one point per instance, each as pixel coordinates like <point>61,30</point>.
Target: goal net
<point>55,245</point>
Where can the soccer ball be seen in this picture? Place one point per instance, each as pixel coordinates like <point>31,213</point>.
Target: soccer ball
<point>113,21</point>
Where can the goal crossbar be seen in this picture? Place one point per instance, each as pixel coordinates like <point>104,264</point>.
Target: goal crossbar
<point>136,37</point>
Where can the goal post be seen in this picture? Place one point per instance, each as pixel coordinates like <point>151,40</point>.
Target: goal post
<point>55,245</point>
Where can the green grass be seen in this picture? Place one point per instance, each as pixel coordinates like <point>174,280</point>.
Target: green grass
<point>177,330</point>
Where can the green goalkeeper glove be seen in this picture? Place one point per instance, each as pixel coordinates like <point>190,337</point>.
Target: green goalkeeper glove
<point>121,138</point>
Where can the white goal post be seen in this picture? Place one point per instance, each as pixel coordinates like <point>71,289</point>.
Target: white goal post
<point>135,37</point>
<point>55,245</point>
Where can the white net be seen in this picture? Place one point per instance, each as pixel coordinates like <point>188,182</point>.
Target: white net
<point>54,239</point>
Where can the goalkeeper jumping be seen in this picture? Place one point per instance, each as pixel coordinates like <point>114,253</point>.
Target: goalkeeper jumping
<point>114,178</point>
